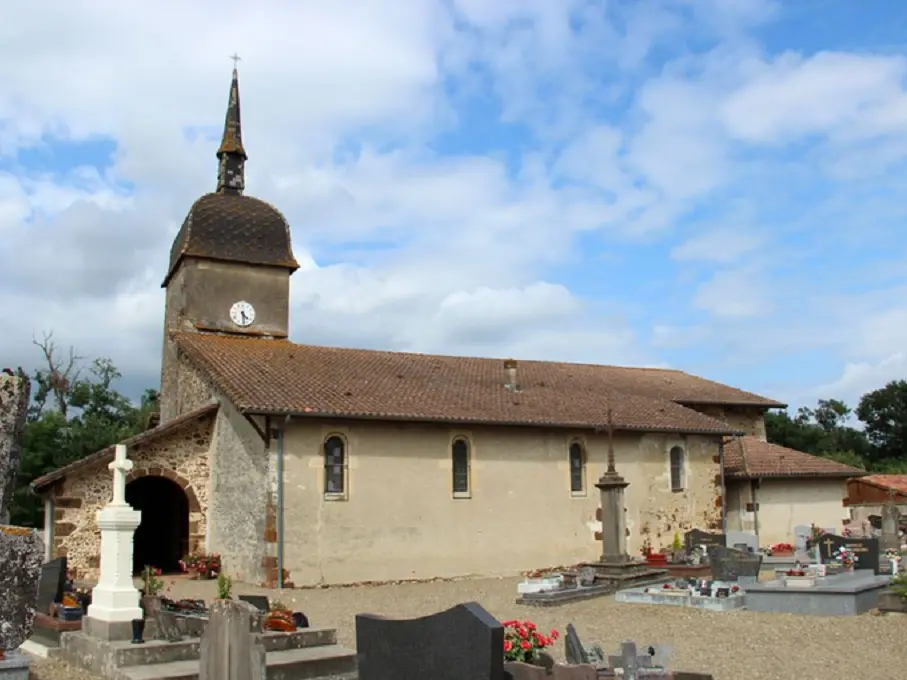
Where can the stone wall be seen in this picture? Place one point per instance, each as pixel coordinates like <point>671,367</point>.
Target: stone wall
<point>180,455</point>
<point>751,421</point>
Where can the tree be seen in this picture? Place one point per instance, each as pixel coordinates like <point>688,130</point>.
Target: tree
<point>884,412</point>
<point>74,414</point>
<point>822,431</point>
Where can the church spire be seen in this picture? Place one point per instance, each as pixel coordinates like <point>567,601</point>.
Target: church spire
<point>231,154</point>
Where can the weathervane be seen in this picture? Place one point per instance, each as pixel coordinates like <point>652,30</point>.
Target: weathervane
<point>236,59</point>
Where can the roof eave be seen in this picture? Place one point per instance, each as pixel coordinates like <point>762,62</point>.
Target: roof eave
<point>797,475</point>
<point>765,405</point>
<point>258,411</point>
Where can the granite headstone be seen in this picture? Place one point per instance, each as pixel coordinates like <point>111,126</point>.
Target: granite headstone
<point>462,642</point>
<point>575,652</point>
<point>165,624</point>
<point>743,540</point>
<point>260,602</point>
<point>730,564</point>
<point>231,647</point>
<point>51,584</point>
<point>865,550</point>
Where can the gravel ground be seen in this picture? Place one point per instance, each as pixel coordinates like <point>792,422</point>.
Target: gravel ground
<point>730,646</point>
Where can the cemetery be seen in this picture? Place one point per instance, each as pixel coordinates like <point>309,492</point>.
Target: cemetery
<point>115,630</point>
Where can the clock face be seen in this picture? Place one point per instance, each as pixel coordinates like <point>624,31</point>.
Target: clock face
<point>242,313</point>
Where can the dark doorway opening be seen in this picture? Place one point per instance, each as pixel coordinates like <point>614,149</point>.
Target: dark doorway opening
<point>162,538</point>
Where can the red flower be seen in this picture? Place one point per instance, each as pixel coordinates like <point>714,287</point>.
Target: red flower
<point>530,625</point>
<point>554,634</point>
<point>508,645</point>
<point>525,644</point>
<point>523,633</point>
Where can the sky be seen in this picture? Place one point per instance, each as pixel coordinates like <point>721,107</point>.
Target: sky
<point>718,186</point>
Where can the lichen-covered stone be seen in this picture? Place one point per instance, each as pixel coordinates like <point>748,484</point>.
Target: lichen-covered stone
<point>15,390</point>
<point>21,557</point>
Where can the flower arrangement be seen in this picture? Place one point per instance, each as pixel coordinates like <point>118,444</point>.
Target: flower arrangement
<point>845,556</point>
<point>202,564</point>
<point>892,554</point>
<point>523,642</point>
<point>782,549</point>
<point>151,584</point>
<point>815,533</point>
<point>795,572</point>
<point>280,618</point>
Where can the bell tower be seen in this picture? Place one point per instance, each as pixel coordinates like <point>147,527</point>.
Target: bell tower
<point>230,266</point>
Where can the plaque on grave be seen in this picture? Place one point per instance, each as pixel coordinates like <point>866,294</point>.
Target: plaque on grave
<point>463,642</point>
<point>260,602</point>
<point>865,550</point>
<point>695,537</point>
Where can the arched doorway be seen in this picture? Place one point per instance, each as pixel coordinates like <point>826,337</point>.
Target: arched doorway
<point>162,539</point>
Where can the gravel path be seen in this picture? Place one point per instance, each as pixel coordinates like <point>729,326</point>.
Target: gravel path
<point>730,646</point>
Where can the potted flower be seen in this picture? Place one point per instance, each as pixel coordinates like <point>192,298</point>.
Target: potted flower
<point>224,587</point>
<point>894,559</point>
<point>201,565</point>
<point>782,550</point>
<point>279,619</point>
<point>524,643</point>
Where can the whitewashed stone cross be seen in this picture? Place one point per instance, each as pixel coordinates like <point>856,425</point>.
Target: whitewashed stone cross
<point>120,466</point>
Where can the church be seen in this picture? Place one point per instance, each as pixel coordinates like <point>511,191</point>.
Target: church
<point>322,465</point>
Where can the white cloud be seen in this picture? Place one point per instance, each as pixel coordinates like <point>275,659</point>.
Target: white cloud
<point>719,245</point>
<point>350,112</point>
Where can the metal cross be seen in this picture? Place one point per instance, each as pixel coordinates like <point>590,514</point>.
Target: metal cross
<point>629,661</point>
<point>120,466</point>
<point>236,59</point>
<point>611,467</point>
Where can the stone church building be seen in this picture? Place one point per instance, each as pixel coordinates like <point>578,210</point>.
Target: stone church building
<point>350,465</point>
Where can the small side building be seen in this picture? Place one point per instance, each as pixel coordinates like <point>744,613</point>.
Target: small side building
<point>866,495</point>
<point>771,489</point>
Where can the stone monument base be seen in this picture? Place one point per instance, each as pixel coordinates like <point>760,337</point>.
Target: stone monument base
<point>107,630</point>
<point>626,573</point>
<point>15,666</point>
<point>839,595</point>
<point>305,653</point>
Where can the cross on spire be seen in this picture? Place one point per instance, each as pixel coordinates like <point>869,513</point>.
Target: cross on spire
<point>236,59</point>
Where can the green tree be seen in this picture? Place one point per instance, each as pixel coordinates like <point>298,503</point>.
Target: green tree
<point>822,431</point>
<point>884,413</point>
<point>74,413</point>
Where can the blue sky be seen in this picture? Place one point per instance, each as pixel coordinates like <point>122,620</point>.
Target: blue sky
<point>711,185</point>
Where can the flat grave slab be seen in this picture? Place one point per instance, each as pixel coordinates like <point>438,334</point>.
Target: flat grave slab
<point>679,598</point>
<point>836,595</point>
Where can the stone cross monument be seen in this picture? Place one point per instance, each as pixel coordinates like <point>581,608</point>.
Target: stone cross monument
<point>614,522</point>
<point>891,536</point>
<point>21,549</point>
<point>115,600</point>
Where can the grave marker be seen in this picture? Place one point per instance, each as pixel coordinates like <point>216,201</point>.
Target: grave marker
<point>164,621</point>
<point>231,647</point>
<point>865,550</point>
<point>51,585</point>
<point>695,537</point>
<point>575,652</point>
<point>462,642</point>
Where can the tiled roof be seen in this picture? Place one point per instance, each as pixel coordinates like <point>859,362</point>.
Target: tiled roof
<point>751,458</point>
<point>234,228</point>
<point>277,376</point>
<point>896,483</point>
<point>106,455</point>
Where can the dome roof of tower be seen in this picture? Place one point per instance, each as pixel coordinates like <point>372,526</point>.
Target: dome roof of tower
<point>233,228</point>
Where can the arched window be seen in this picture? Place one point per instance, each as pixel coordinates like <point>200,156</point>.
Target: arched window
<point>677,476</point>
<point>459,455</point>
<point>335,464</point>
<point>577,469</point>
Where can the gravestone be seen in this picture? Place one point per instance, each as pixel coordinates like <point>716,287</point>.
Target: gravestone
<point>52,584</point>
<point>891,516</point>
<point>164,621</point>
<point>260,602</point>
<point>629,661</point>
<point>586,576</point>
<point>695,537</point>
<point>21,549</point>
<point>231,646</point>
<point>865,550</point>
<point>802,533</point>
<point>459,643</point>
<point>743,540</point>
<point>575,652</point>
<point>730,564</point>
